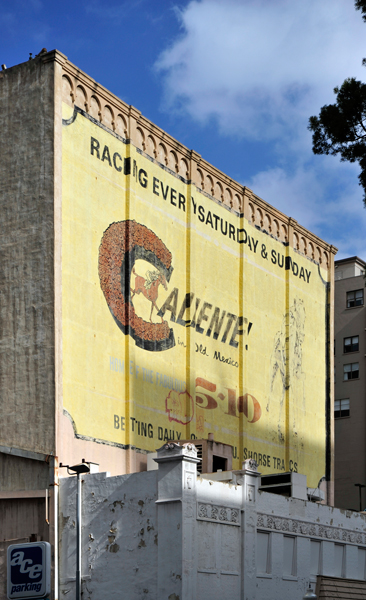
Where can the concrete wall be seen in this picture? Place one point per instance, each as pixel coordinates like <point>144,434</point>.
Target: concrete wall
<point>169,535</point>
<point>27,299</point>
<point>18,473</point>
<point>27,373</point>
<point>119,539</point>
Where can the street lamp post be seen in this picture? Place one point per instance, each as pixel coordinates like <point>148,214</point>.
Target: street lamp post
<point>78,470</point>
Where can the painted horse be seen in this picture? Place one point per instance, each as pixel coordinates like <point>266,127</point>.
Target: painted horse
<point>148,287</point>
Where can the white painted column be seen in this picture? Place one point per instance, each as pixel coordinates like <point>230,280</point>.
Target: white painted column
<point>249,479</point>
<point>176,508</point>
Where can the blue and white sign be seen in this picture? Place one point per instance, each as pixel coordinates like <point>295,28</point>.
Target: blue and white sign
<point>29,570</point>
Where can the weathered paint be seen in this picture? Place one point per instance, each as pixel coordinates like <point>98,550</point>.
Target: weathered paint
<point>74,366</point>
<point>179,316</point>
<point>196,538</point>
<point>111,535</point>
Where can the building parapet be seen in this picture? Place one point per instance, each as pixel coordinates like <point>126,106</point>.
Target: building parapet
<point>80,90</point>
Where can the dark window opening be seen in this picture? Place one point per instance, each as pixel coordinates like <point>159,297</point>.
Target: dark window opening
<point>199,455</point>
<point>218,463</point>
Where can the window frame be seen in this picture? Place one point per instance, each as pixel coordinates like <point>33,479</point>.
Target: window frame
<point>351,345</point>
<point>268,572</point>
<point>293,575</point>
<point>343,565</point>
<point>320,558</point>
<point>352,303</point>
<point>340,410</point>
<point>351,371</point>
<point>363,551</point>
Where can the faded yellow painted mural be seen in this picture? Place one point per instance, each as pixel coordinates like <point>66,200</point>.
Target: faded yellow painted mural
<point>180,318</point>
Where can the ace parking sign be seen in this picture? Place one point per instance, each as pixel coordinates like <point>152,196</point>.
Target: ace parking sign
<point>29,570</point>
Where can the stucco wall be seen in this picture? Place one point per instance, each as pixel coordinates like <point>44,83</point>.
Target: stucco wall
<point>182,537</point>
<point>26,256</point>
<point>119,538</point>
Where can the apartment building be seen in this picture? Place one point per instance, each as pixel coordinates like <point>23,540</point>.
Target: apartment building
<point>349,404</point>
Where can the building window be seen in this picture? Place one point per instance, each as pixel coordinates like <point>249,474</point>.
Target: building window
<point>315,557</point>
<point>263,553</point>
<point>354,298</point>
<point>351,344</point>
<point>339,566</point>
<point>361,572</point>
<point>350,371</point>
<point>289,556</point>
<point>341,408</point>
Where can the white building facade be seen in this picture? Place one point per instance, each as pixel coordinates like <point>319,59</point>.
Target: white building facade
<point>168,534</point>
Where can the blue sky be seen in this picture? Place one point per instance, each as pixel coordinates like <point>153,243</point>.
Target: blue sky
<point>236,80</point>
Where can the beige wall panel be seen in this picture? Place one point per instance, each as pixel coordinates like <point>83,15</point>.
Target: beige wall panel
<point>111,458</point>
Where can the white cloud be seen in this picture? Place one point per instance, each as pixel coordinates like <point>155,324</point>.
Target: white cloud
<point>261,66</point>
<point>321,195</point>
<point>259,69</point>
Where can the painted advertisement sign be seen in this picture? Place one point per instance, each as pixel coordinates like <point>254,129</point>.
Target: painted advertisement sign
<point>180,318</point>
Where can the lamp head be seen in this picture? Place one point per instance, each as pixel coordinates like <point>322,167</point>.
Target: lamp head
<point>310,594</point>
<point>80,468</point>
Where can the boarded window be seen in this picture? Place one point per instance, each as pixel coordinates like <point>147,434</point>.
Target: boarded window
<point>289,555</point>
<point>315,557</point>
<point>263,552</point>
<point>361,563</point>
<point>339,566</point>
